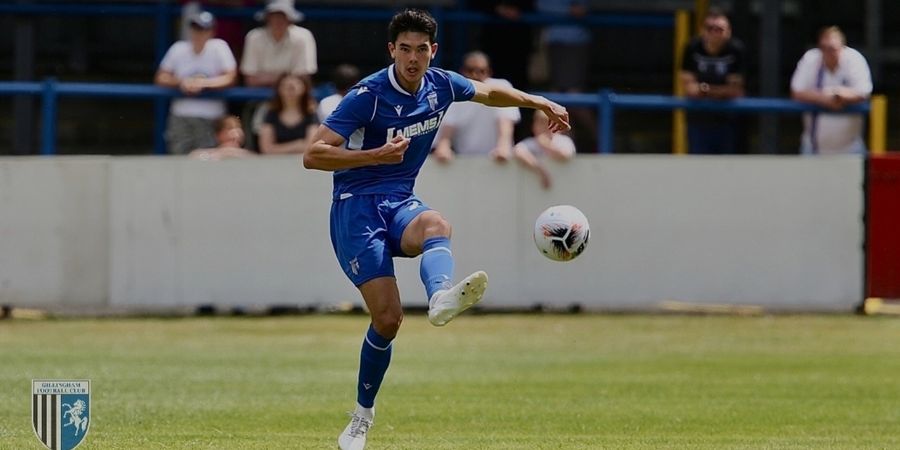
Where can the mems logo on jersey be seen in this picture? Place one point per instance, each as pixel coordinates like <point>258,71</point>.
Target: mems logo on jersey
<point>61,412</point>
<point>424,127</point>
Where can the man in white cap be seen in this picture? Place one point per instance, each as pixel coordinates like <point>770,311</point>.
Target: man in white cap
<point>278,47</point>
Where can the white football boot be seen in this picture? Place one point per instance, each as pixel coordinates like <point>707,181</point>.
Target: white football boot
<point>354,435</point>
<point>449,303</point>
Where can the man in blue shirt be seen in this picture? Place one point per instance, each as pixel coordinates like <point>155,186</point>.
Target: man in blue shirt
<point>375,142</point>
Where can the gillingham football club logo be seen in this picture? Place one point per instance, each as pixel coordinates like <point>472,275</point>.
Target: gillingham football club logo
<point>61,412</point>
<point>432,100</point>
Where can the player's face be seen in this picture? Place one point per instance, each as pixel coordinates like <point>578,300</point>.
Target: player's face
<point>412,53</point>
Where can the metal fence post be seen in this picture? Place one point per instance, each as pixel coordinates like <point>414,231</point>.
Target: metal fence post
<point>161,105</point>
<point>605,120</point>
<point>48,117</point>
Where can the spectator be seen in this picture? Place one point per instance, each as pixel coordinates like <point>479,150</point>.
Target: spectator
<point>229,29</point>
<point>291,121</point>
<point>279,47</point>
<point>345,77</point>
<point>510,41</point>
<point>230,140</point>
<point>270,51</point>
<point>712,68</point>
<point>557,146</point>
<point>832,76</point>
<point>470,128</point>
<point>194,66</point>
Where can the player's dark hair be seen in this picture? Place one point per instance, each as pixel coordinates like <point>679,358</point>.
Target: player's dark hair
<point>412,20</point>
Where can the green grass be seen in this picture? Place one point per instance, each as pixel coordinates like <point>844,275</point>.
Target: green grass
<point>483,382</point>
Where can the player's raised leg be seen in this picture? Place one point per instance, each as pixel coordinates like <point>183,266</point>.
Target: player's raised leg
<point>429,234</point>
<point>383,300</point>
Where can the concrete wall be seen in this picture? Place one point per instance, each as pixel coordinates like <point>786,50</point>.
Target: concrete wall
<point>149,232</point>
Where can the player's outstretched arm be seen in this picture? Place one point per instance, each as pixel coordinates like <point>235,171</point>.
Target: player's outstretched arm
<point>326,152</point>
<point>498,95</point>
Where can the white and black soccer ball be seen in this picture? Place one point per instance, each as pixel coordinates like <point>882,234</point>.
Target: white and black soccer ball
<point>561,232</point>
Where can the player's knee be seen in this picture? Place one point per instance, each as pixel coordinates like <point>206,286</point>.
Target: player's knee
<point>387,323</point>
<point>436,225</point>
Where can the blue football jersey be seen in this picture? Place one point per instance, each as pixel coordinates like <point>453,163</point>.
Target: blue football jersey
<point>376,110</point>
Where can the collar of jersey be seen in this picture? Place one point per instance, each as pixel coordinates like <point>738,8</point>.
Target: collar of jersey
<point>397,86</point>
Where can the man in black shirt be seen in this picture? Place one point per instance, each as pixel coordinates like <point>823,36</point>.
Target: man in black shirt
<point>712,68</point>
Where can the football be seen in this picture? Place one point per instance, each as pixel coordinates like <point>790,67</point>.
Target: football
<point>561,232</point>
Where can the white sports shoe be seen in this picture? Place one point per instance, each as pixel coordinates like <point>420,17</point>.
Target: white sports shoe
<point>449,303</point>
<point>354,435</point>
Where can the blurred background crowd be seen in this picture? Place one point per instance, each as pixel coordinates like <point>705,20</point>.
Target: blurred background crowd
<point>831,56</point>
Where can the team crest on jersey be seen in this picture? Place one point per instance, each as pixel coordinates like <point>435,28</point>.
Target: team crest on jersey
<point>61,412</point>
<point>432,100</point>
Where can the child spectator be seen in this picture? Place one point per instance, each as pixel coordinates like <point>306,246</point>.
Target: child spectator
<point>345,77</point>
<point>230,141</point>
<point>557,146</point>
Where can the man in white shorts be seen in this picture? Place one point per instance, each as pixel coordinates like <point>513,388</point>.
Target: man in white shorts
<point>832,76</point>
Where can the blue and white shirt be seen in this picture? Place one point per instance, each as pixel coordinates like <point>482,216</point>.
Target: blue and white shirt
<point>376,110</point>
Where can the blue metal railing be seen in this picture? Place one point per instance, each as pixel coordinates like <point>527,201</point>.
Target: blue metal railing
<point>606,102</point>
<point>163,12</point>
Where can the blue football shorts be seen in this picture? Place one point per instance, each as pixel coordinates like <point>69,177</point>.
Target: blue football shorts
<point>366,231</point>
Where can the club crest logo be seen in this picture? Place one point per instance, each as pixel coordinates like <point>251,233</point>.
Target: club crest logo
<point>61,412</point>
<point>432,100</point>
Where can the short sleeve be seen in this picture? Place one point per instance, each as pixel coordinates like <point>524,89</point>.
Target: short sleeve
<point>250,59</point>
<point>860,78</point>
<point>354,111</point>
<point>463,88</point>
<point>271,117</point>
<point>804,78</point>
<point>168,61</point>
<point>226,58</point>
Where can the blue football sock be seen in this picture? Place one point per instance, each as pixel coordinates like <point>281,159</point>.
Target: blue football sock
<point>436,269</point>
<point>374,359</point>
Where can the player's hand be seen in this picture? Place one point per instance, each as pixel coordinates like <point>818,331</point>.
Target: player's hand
<point>393,151</point>
<point>559,117</point>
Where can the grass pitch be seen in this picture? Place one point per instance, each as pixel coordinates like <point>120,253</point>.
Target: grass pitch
<point>482,382</point>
